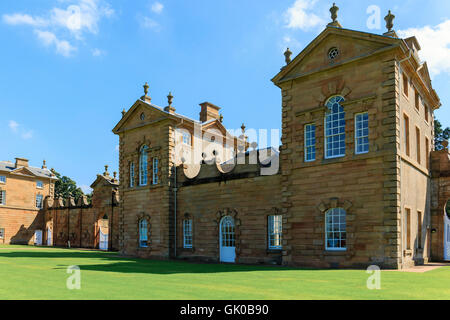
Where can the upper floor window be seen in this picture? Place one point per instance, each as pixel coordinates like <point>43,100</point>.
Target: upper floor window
<point>143,170</point>
<point>132,175</point>
<point>335,128</point>
<point>406,133</point>
<point>427,153</point>
<point>2,179</point>
<point>39,185</point>
<point>418,147</point>
<point>187,233</point>
<point>362,133</point>
<point>275,232</point>
<point>143,233</point>
<point>333,53</point>
<point>310,142</point>
<point>336,229</point>
<point>2,197</point>
<point>186,138</point>
<point>405,84</point>
<point>39,202</point>
<point>427,113</point>
<point>155,171</point>
<point>417,100</point>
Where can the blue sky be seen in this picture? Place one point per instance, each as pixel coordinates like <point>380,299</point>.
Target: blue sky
<point>68,67</point>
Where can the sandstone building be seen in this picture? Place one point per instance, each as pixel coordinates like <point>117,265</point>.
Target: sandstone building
<point>23,189</point>
<point>354,187</point>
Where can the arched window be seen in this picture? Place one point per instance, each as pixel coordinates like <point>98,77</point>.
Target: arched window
<point>143,159</point>
<point>336,229</point>
<point>187,233</point>
<point>143,233</point>
<point>335,128</point>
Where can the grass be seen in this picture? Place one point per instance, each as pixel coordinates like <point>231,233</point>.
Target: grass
<point>41,273</point>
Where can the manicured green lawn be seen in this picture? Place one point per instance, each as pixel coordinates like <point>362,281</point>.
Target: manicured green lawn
<point>41,273</point>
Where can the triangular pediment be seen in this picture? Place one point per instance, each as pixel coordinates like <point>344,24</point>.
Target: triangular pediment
<point>140,114</point>
<point>349,43</point>
<point>23,171</point>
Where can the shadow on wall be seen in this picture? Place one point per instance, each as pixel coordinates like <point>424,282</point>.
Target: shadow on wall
<point>116,263</point>
<point>25,236</point>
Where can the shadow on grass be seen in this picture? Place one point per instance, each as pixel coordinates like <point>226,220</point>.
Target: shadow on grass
<point>116,263</point>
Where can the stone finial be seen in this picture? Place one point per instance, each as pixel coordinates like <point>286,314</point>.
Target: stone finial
<point>123,112</point>
<point>243,128</point>
<point>334,11</point>
<point>44,165</point>
<point>146,97</point>
<point>221,118</point>
<point>106,173</point>
<point>287,55</point>
<point>115,174</point>
<point>389,21</point>
<point>170,108</point>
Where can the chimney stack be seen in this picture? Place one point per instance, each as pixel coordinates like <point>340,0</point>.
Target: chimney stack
<point>20,162</point>
<point>209,112</point>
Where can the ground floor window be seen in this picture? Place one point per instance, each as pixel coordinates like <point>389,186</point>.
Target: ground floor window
<point>2,233</point>
<point>143,233</point>
<point>187,233</point>
<point>275,232</point>
<point>336,229</point>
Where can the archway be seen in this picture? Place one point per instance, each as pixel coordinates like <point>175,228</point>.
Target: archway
<point>103,231</point>
<point>227,240</point>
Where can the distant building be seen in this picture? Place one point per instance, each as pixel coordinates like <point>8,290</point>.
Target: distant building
<point>23,190</point>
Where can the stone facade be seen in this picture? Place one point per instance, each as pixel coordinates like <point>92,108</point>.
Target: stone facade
<point>386,193</point>
<point>78,223</point>
<point>20,217</point>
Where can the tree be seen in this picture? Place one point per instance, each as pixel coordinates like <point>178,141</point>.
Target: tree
<point>66,187</point>
<point>440,135</point>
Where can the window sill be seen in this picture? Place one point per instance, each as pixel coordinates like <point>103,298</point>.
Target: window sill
<point>336,251</point>
<point>278,251</point>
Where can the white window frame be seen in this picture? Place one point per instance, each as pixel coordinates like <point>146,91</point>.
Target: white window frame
<point>2,197</point>
<point>143,233</point>
<point>187,234</point>
<point>143,166</point>
<point>358,139</point>
<point>326,136</point>
<point>275,232</point>
<point>132,175</point>
<point>2,233</point>
<point>39,184</point>
<point>310,147</point>
<point>39,201</point>
<point>186,138</point>
<point>2,179</point>
<point>339,230</point>
<point>155,171</point>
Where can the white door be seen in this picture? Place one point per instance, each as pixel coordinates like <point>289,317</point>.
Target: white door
<point>103,241</point>
<point>38,237</point>
<point>49,237</point>
<point>227,240</point>
<point>447,238</point>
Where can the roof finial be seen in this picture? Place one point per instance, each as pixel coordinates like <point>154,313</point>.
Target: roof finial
<point>287,55</point>
<point>44,165</point>
<point>115,174</point>
<point>334,10</point>
<point>123,112</point>
<point>106,173</point>
<point>146,97</point>
<point>170,108</point>
<point>221,118</point>
<point>243,128</point>
<point>389,21</point>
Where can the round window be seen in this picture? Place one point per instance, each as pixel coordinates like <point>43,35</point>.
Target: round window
<point>333,53</point>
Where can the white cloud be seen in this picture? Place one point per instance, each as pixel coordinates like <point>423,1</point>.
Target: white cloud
<point>157,7</point>
<point>86,189</point>
<point>48,38</point>
<point>291,43</point>
<point>81,16</point>
<point>20,130</point>
<point>435,43</point>
<point>300,16</point>
<point>13,125</point>
<point>23,19</point>
<point>98,53</point>
<point>27,135</point>
<point>149,23</point>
